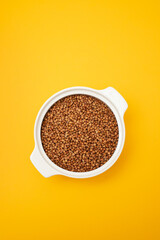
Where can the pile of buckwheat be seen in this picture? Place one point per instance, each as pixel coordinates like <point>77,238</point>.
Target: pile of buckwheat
<point>79,133</point>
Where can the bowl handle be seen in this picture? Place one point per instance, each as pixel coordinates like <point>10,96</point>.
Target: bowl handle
<point>116,98</point>
<point>41,165</point>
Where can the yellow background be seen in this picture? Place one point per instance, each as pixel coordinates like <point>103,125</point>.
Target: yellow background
<point>46,46</point>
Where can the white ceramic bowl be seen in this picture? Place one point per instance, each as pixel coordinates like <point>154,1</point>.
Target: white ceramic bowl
<point>109,96</point>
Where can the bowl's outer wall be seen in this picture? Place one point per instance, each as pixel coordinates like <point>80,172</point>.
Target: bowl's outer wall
<point>112,98</point>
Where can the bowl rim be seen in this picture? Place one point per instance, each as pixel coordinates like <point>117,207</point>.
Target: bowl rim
<point>72,91</point>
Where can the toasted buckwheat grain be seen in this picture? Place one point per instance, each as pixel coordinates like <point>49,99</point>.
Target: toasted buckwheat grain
<point>79,133</point>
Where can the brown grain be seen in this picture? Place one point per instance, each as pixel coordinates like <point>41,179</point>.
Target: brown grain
<point>79,133</point>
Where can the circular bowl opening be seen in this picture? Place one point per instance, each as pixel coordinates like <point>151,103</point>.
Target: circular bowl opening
<point>77,91</point>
